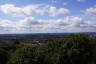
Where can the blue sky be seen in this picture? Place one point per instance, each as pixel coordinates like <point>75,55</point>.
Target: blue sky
<point>47,16</point>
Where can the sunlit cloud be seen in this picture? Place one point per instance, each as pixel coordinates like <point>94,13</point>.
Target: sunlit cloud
<point>32,10</point>
<point>91,12</point>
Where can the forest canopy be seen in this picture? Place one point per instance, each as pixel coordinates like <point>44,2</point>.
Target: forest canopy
<point>76,49</point>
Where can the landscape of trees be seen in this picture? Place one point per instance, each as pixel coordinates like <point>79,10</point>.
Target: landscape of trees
<point>77,49</point>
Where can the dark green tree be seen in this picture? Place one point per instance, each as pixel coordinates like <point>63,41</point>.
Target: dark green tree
<point>78,50</point>
<point>49,53</point>
<point>23,55</point>
<point>3,56</point>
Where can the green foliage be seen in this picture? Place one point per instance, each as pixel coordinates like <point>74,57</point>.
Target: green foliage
<point>3,56</point>
<point>13,46</point>
<point>23,55</point>
<point>76,49</point>
<point>49,53</point>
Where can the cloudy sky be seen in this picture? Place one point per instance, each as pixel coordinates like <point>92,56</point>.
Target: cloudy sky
<point>47,16</point>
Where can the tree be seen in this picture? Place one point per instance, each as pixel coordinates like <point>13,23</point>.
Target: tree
<point>49,53</point>
<point>77,50</point>
<point>23,55</point>
<point>3,56</point>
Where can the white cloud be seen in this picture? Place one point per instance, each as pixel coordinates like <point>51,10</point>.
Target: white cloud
<point>80,0</point>
<point>53,11</point>
<point>53,1</point>
<point>19,11</point>
<point>65,3</point>
<point>27,23</point>
<point>30,24</point>
<point>6,23</point>
<point>91,12</point>
<point>32,10</point>
<point>6,26</point>
<point>64,11</point>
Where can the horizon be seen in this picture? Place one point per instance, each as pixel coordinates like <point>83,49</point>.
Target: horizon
<point>47,16</point>
<point>46,33</point>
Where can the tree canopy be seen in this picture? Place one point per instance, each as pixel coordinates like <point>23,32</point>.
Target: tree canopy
<point>76,49</point>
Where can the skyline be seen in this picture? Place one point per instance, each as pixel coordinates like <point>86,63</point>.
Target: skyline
<point>47,16</point>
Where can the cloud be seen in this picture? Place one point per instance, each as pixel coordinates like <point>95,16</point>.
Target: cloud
<point>53,1</point>
<point>70,21</point>
<point>65,3</point>
<point>32,25</point>
<point>19,11</point>
<point>80,0</point>
<point>29,23</point>
<point>6,26</point>
<point>32,10</point>
<point>53,11</point>
<point>91,12</point>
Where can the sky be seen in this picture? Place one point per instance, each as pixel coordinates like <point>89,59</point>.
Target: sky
<point>47,16</point>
